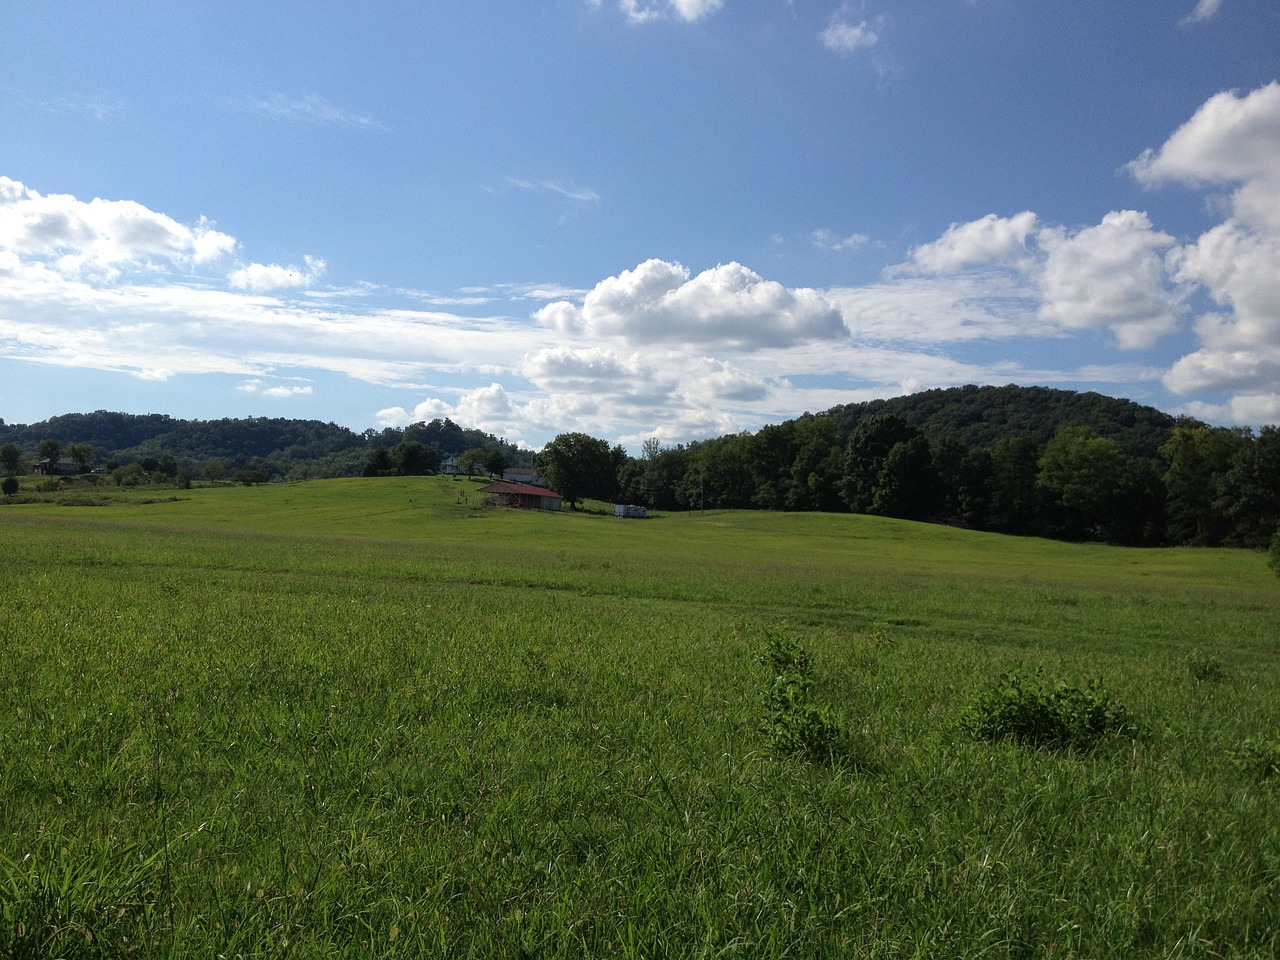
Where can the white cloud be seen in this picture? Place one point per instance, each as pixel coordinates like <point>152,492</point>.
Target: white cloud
<point>842,36</point>
<point>260,277</point>
<point>728,305</point>
<point>640,11</point>
<point>100,236</point>
<point>978,305</point>
<point>567,190</point>
<point>311,109</point>
<point>260,388</point>
<point>1205,10</point>
<point>829,240</point>
<point>1110,276</point>
<point>990,240</point>
<point>1231,141</point>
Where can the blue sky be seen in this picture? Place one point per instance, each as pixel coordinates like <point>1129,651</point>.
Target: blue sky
<point>634,218</point>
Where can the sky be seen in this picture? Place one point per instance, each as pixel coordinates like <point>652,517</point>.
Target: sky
<point>671,219</point>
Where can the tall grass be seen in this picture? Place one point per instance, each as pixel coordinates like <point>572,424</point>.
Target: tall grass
<point>368,718</point>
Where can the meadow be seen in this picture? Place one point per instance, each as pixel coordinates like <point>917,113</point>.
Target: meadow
<point>372,718</point>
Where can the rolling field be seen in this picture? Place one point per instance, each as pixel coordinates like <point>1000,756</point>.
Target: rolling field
<point>369,718</point>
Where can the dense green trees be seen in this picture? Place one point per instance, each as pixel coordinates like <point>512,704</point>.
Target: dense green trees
<point>579,467</point>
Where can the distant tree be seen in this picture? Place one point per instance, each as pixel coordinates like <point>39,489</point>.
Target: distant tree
<point>416,459</point>
<point>868,448</point>
<point>1080,477</point>
<point>10,458</point>
<point>1014,504</point>
<point>578,467</point>
<point>251,476</point>
<point>214,470</point>
<point>1249,489</point>
<point>50,450</point>
<point>9,486</point>
<point>496,463</point>
<point>817,467</point>
<point>130,475</point>
<point>472,461</point>
<point>906,482</point>
<point>150,464</point>
<point>379,463</point>
<point>719,475</point>
<point>82,454</point>
<point>1197,458</point>
<point>1138,516</point>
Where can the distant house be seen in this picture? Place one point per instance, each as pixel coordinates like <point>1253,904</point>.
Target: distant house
<point>65,467</point>
<point>524,495</point>
<point>449,465</point>
<point>525,475</point>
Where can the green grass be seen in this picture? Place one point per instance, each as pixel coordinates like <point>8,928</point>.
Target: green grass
<point>369,718</point>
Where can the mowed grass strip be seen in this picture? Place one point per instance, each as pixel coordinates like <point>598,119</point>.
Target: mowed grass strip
<point>370,718</point>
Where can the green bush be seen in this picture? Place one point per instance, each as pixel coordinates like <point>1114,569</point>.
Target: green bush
<point>794,724</point>
<point>1057,718</point>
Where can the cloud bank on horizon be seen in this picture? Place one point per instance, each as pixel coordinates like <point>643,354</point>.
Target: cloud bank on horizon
<point>660,348</point>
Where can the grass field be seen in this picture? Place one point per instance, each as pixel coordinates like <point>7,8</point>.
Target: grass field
<point>369,718</point>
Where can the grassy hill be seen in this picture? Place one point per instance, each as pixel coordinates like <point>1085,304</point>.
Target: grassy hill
<point>373,718</point>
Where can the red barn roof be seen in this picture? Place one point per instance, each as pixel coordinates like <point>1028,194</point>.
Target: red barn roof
<point>521,489</point>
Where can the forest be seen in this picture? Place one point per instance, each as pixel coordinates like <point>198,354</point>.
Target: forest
<point>1020,460</point>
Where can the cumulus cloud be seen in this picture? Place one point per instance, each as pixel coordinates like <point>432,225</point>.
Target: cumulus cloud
<point>261,277</point>
<point>1230,140</point>
<point>1233,142</point>
<point>990,240</point>
<point>728,305</point>
<point>100,236</point>
<point>1110,276</point>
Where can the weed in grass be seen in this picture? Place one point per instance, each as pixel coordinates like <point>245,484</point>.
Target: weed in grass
<point>1205,667</point>
<point>1058,717</point>
<point>1259,756</point>
<point>794,724</point>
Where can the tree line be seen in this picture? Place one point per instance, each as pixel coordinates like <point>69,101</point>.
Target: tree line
<point>1020,460</point>
<point>132,448</point>
<point>1204,486</point>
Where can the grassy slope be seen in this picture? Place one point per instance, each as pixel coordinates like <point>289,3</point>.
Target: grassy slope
<point>367,718</point>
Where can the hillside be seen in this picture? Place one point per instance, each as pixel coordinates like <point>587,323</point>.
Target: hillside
<point>979,417</point>
<point>284,448</point>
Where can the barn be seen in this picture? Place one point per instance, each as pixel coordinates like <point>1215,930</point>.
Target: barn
<point>524,495</point>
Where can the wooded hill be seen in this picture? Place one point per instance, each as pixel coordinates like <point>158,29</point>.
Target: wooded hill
<point>980,417</point>
<point>282,449</point>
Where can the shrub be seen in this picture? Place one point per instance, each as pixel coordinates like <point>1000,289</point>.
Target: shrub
<point>795,725</point>
<point>1056,718</point>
